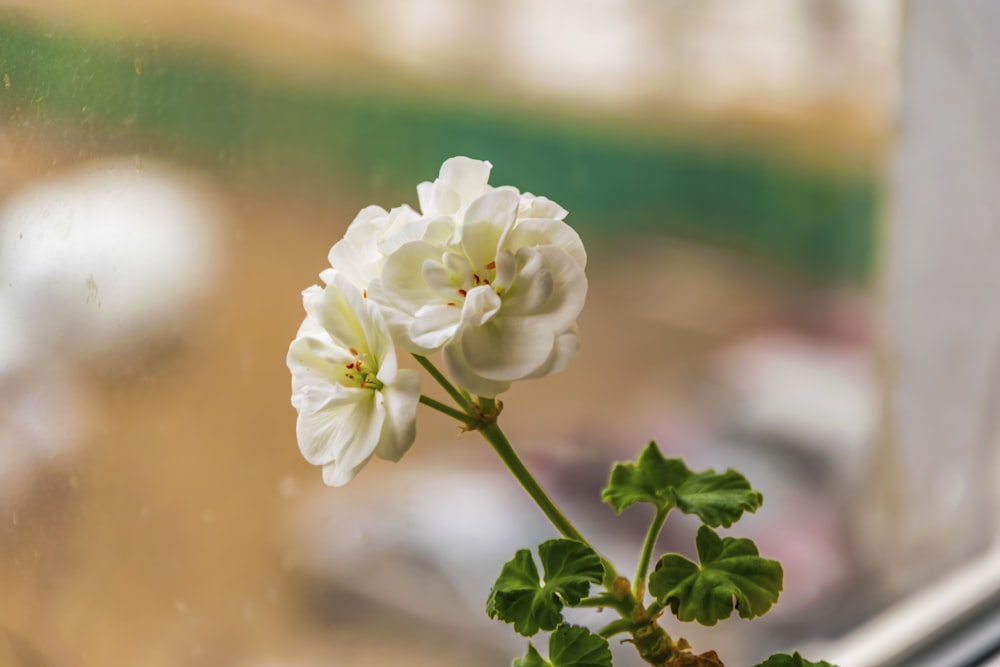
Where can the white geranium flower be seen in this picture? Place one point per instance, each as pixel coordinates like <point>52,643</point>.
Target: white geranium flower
<point>352,400</point>
<point>500,299</point>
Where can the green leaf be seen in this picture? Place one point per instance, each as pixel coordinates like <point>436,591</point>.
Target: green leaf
<point>521,598</point>
<point>794,660</point>
<point>570,646</point>
<point>719,499</point>
<point>532,659</point>
<point>731,574</point>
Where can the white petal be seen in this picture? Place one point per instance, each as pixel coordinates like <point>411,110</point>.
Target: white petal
<point>339,424</point>
<point>436,231</point>
<point>506,348</point>
<point>459,267</point>
<point>532,285</point>
<point>496,206</point>
<point>506,269</point>
<point>439,231</point>
<point>400,428</point>
<point>348,260</point>
<point>398,219</point>
<point>565,349</point>
<point>360,262</point>
<point>539,207</point>
<point>344,315</point>
<point>402,283</point>
<point>313,357</point>
<point>335,474</point>
<point>568,293</point>
<point>506,188</point>
<point>367,214</point>
<point>377,334</point>
<point>312,296</point>
<point>438,278</point>
<point>531,233</point>
<point>445,199</point>
<point>466,378</point>
<point>381,346</point>
<point>481,305</point>
<point>482,235</point>
<point>425,198</point>
<point>467,177</point>
<point>433,326</point>
<point>397,319</point>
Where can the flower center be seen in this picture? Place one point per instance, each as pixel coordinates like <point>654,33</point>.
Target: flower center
<point>362,371</point>
<point>482,277</point>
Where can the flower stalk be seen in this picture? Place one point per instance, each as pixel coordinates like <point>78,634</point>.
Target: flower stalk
<point>459,396</point>
<point>470,421</point>
<point>647,551</point>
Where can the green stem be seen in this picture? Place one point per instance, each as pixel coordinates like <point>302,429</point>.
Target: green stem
<point>639,583</point>
<point>460,397</point>
<point>623,607</point>
<point>603,600</point>
<point>498,440</point>
<point>494,435</point>
<point>450,411</point>
<point>616,627</point>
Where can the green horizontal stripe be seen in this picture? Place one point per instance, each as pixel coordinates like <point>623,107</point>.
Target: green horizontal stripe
<point>205,108</point>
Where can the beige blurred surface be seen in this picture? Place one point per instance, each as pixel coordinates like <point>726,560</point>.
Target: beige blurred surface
<point>162,541</point>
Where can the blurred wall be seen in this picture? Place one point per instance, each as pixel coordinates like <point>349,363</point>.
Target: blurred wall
<point>935,478</point>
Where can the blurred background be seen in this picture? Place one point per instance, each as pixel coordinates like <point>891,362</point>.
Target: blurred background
<point>173,174</point>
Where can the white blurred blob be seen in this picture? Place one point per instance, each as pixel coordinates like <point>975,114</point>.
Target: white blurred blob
<point>819,397</point>
<point>97,265</point>
<point>106,254</point>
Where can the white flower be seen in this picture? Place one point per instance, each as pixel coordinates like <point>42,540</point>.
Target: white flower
<point>352,400</point>
<point>500,299</point>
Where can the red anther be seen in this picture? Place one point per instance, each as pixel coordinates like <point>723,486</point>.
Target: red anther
<point>462,292</point>
<point>364,294</point>
<point>475,276</point>
<point>350,365</point>
<point>491,266</point>
<point>452,303</point>
<point>362,384</point>
<point>353,351</point>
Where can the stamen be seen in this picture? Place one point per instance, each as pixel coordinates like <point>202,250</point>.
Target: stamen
<point>350,365</point>
<point>353,351</point>
<point>491,265</point>
<point>462,292</point>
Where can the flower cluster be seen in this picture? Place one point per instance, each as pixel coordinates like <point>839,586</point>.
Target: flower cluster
<point>490,277</point>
